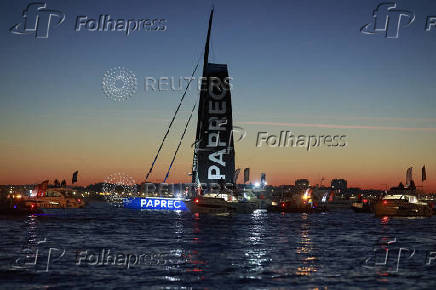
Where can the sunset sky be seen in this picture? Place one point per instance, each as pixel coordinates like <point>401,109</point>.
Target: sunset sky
<point>301,66</point>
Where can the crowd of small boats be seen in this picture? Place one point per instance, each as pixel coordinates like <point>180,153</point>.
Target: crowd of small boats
<point>392,204</point>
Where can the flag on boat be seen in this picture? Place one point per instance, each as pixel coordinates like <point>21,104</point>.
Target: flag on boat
<point>423,174</point>
<point>40,189</point>
<point>235,179</point>
<point>408,176</point>
<point>74,179</point>
<point>262,179</point>
<point>246,175</point>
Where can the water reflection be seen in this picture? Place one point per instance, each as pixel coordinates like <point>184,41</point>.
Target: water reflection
<point>304,251</point>
<point>192,257</point>
<point>29,252</point>
<point>255,251</point>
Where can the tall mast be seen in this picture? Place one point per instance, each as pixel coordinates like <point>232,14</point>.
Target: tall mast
<point>206,48</point>
<point>205,62</point>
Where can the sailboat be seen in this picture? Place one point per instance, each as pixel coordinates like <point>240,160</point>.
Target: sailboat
<point>214,152</point>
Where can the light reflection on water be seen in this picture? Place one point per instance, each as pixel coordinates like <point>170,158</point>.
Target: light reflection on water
<point>304,250</point>
<point>255,250</point>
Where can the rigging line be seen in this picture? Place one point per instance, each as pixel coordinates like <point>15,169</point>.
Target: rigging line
<point>180,142</point>
<point>172,121</point>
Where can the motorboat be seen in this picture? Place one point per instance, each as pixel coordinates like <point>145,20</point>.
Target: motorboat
<point>402,205</point>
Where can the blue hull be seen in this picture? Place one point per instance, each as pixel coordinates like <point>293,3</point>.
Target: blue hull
<point>155,203</point>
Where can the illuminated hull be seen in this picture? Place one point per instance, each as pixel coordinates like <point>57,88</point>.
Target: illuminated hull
<point>361,207</point>
<point>55,198</point>
<point>210,205</point>
<point>401,208</point>
<point>55,203</point>
<point>156,203</point>
<point>215,205</point>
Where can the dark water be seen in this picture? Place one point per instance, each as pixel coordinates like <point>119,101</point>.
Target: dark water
<point>335,250</point>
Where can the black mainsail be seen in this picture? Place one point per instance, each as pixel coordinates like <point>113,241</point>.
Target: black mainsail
<point>214,154</point>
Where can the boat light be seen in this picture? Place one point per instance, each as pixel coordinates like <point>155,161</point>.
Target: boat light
<point>196,200</point>
<point>283,204</point>
<point>365,200</point>
<point>306,194</point>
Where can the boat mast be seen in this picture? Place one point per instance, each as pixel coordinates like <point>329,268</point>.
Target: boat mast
<point>206,47</point>
<point>199,125</point>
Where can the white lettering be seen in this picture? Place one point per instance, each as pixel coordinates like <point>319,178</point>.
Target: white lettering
<point>214,173</point>
<point>214,140</point>
<point>213,157</point>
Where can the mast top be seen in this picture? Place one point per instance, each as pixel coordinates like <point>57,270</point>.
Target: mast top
<point>206,48</point>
